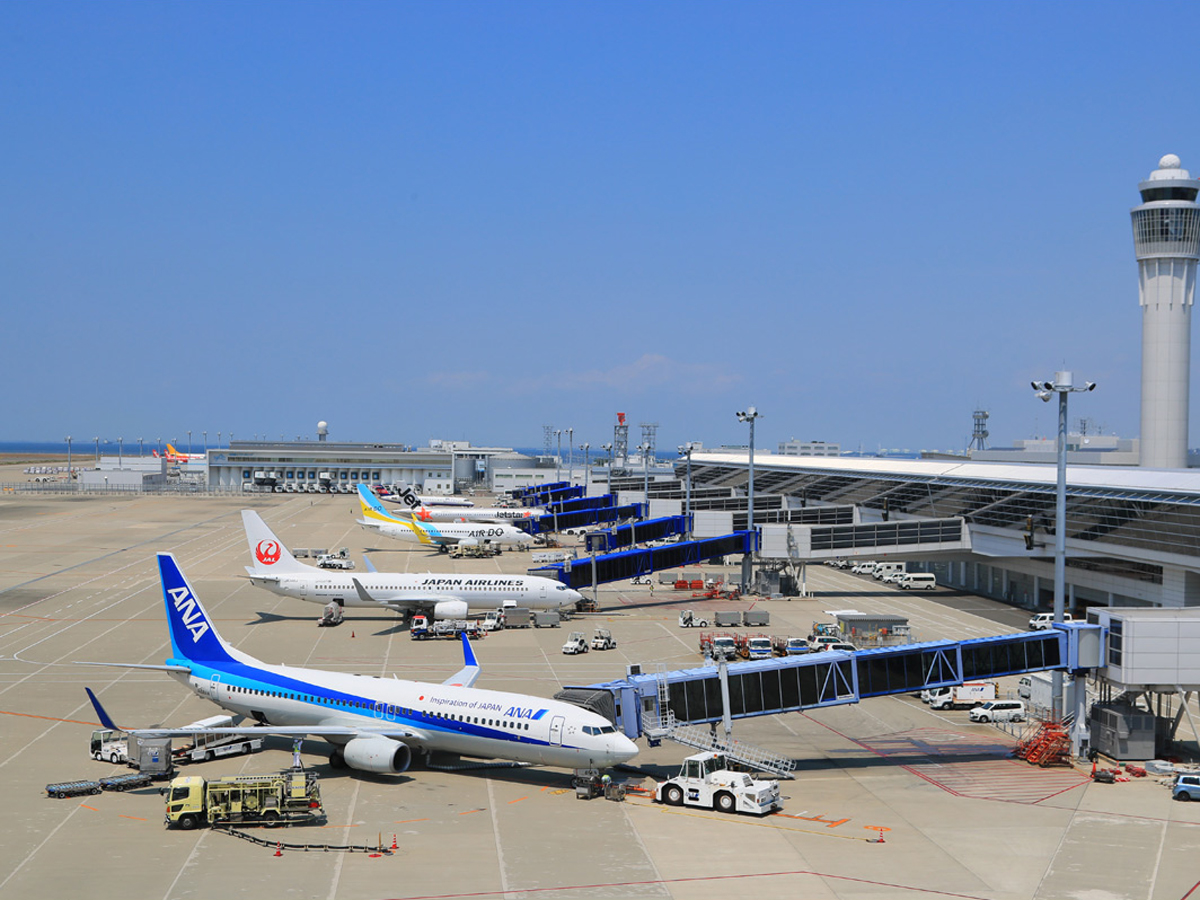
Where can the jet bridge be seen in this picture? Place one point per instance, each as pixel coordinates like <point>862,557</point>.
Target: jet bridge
<point>589,571</point>
<point>628,535</point>
<point>581,518</point>
<point>655,704</point>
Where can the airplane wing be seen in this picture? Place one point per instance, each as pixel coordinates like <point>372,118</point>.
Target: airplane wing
<point>368,565</point>
<point>383,729</point>
<point>407,600</point>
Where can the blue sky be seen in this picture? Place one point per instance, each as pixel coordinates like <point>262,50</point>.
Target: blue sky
<point>467,220</point>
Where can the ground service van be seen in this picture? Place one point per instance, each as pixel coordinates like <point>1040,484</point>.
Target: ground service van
<point>917,581</point>
<point>886,568</point>
<point>962,696</point>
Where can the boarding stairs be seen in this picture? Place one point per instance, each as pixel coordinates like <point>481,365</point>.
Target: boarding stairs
<point>657,726</point>
<point>1050,745</point>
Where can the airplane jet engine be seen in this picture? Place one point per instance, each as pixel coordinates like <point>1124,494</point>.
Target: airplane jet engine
<point>450,609</point>
<point>376,754</point>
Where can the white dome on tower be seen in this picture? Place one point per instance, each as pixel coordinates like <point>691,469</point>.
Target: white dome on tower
<point>1170,161</point>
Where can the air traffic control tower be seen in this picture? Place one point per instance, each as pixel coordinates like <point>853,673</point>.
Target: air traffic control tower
<point>1166,241</point>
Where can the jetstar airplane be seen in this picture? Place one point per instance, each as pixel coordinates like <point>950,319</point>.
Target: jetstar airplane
<point>440,534</point>
<point>445,596</point>
<point>374,723</point>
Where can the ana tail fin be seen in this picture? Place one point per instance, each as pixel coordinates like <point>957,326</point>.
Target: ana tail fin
<point>193,636</point>
<point>271,557</point>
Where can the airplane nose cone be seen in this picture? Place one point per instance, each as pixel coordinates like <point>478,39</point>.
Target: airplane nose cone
<point>622,748</point>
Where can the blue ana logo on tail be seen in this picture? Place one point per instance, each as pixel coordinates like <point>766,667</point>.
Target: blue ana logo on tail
<point>189,612</point>
<point>192,635</point>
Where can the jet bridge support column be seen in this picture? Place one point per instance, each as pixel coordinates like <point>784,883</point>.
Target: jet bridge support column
<point>726,718</point>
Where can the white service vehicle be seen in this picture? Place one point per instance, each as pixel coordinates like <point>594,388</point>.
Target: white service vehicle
<point>884,569</point>
<point>707,781</point>
<point>576,643</point>
<point>960,696</point>
<point>866,567</point>
<point>688,619</point>
<point>1042,621</point>
<point>999,711</point>
<point>913,581</point>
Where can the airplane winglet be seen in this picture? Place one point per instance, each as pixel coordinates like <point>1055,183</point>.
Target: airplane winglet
<point>362,591</point>
<point>469,673</point>
<point>105,718</point>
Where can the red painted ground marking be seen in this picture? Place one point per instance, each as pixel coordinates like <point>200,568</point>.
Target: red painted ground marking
<point>518,800</point>
<point>469,811</point>
<point>4,712</point>
<point>937,756</point>
<point>137,818</point>
<point>406,821</point>
<point>92,808</point>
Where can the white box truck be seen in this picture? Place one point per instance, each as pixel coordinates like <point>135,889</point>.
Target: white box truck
<point>963,696</point>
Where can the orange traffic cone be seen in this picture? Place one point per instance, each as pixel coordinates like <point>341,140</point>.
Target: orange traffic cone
<point>279,848</point>
<point>352,634</point>
<point>395,846</point>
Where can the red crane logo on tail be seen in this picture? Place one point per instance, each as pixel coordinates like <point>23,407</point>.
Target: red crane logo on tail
<point>267,552</point>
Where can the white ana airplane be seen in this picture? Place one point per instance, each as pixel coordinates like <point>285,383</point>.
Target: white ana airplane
<point>439,534</point>
<point>374,723</point>
<point>445,596</point>
<point>414,507</point>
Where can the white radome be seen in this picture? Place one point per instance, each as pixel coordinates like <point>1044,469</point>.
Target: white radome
<point>1170,161</point>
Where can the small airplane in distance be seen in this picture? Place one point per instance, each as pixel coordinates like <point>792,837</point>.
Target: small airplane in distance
<point>173,455</point>
<point>375,724</point>
<point>445,596</point>
<point>413,506</point>
<point>439,534</point>
<point>403,493</point>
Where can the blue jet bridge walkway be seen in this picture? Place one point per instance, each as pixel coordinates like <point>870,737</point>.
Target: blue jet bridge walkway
<point>708,694</point>
<point>588,571</point>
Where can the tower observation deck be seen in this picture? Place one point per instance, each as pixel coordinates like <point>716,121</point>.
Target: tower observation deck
<point>1166,241</point>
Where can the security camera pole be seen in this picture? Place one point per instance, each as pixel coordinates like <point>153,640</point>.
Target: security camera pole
<point>1063,384</point>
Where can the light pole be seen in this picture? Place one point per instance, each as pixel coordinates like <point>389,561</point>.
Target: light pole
<point>686,450</point>
<point>750,414</point>
<point>141,449</point>
<point>205,433</point>
<point>558,458</point>
<point>607,448</point>
<point>218,440</point>
<point>644,449</point>
<point>159,446</point>
<point>570,455</point>
<point>587,472</point>
<point>189,442</point>
<point>1063,384</point>
<point>120,452</point>
<point>68,459</point>
<point>97,440</point>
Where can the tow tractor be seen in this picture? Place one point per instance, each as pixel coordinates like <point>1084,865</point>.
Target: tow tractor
<point>688,619</point>
<point>603,640</point>
<point>706,780</point>
<point>576,643</point>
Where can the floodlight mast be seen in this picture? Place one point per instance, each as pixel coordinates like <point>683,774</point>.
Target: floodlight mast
<point>750,414</point>
<point>1062,385</point>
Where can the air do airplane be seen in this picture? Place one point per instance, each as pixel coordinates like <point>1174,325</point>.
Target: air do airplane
<point>445,596</point>
<point>374,723</point>
<point>436,534</point>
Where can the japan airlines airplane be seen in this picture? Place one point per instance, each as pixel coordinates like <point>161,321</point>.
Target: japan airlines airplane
<point>440,534</point>
<point>445,596</point>
<point>374,723</point>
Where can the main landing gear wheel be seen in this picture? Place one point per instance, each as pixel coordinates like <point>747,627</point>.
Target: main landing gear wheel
<point>337,759</point>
